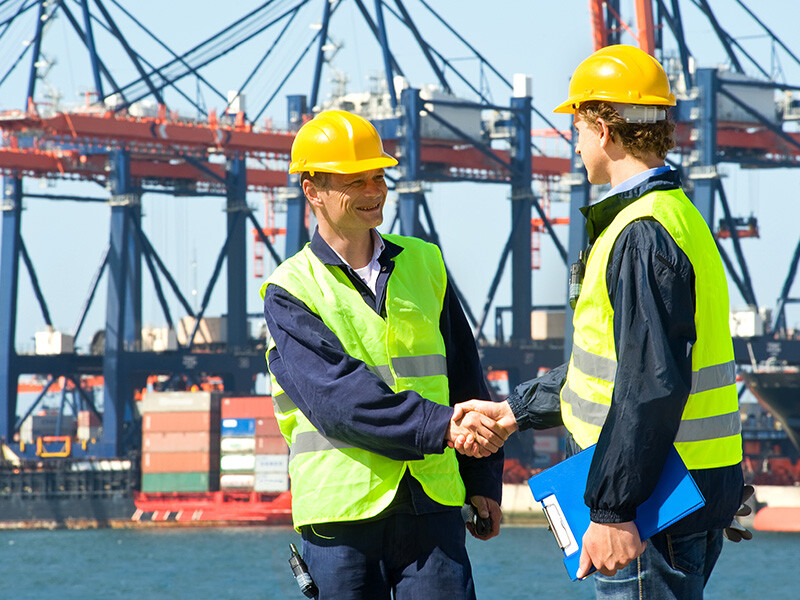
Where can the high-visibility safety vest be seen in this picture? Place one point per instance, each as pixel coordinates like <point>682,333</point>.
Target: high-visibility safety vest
<point>710,430</point>
<point>332,481</point>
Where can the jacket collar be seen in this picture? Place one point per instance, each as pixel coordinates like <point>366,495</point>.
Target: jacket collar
<point>600,215</point>
<point>328,256</point>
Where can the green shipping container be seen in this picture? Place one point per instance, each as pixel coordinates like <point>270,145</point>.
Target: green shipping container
<point>178,482</point>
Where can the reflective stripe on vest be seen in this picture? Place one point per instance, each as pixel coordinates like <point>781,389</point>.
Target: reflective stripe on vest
<point>709,433</point>
<point>331,480</point>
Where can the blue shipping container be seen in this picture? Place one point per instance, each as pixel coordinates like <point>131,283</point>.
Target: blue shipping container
<point>238,427</point>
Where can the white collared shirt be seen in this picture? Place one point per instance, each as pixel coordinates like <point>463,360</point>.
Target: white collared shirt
<point>369,272</point>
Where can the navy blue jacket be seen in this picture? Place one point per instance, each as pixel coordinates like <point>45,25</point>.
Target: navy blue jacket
<point>346,401</point>
<point>651,288</point>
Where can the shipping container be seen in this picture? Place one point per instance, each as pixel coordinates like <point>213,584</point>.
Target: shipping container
<point>238,427</point>
<point>271,482</point>
<point>36,426</point>
<point>237,444</point>
<point>272,463</point>
<point>180,421</point>
<point>86,418</point>
<point>237,462</point>
<point>178,462</point>
<point>189,441</point>
<point>89,433</point>
<point>271,445</point>
<point>247,407</point>
<point>267,427</point>
<point>154,402</point>
<point>179,482</point>
<point>236,482</point>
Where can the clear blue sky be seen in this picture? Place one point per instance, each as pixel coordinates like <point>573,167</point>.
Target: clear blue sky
<point>543,39</point>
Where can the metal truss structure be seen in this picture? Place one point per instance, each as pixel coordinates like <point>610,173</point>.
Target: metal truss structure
<point>230,154</point>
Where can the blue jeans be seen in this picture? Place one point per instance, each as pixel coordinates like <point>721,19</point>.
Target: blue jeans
<point>418,557</point>
<point>671,568</point>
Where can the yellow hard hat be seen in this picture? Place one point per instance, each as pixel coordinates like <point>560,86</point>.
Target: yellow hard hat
<point>336,141</point>
<point>618,73</point>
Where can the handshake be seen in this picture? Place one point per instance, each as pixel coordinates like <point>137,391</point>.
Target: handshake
<point>479,428</point>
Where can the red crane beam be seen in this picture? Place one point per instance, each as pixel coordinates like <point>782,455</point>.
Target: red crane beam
<point>61,164</point>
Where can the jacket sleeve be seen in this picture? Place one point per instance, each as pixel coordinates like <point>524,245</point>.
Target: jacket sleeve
<point>482,476</point>
<point>339,395</point>
<point>651,287</point>
<point>536,403</point>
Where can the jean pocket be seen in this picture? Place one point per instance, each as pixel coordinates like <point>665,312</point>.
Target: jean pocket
<point>687,553</point>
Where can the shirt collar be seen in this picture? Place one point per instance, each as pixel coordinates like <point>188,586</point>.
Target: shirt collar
<point>632,182</point>
<point>384,250</point>
<point>599,215</point>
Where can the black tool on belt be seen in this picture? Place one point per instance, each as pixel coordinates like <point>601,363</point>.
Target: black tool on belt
<point>576,272</point>
<point>301,574</point>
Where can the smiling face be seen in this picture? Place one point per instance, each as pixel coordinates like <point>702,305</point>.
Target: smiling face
<point>349,204</point>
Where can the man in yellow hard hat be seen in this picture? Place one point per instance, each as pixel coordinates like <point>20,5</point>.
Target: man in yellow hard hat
<point>370,349</point>
<point>652,362</point>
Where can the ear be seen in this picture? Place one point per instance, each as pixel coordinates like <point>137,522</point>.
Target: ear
<point>603,132</point>
<point>311,192</point>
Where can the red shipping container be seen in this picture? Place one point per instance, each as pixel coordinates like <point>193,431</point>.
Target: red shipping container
<point>271,445</point>
<point>179,462</point>
<point>267,427</point>
<point>189,441</point>
<point>247,407</point>
<point>180,421</point>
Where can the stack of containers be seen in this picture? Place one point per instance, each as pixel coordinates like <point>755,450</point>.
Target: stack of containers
<point>89,425</point>
<point>254,455</point>
<point>272,455</point>
<point>180,441</point>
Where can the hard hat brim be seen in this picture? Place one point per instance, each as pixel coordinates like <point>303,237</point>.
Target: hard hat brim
<point>570,106</point>
<point>346,167</point>
<point>566,107</point>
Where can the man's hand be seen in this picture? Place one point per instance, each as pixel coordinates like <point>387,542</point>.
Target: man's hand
<point>482,435</point>
<point>609,547</point>
<point>499,412</point>
<point>486,507</point>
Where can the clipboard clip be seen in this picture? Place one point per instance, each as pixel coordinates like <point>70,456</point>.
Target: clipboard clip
<point>559,526</point>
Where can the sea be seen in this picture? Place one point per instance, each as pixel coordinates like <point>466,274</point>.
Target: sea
<point>252,563</point>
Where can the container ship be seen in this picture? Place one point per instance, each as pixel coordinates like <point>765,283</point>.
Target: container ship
<point>205,459</point>
<point>208,458</point>
<point>772,446</point>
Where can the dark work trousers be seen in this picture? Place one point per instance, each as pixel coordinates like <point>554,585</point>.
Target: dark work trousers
<point>418,557</point>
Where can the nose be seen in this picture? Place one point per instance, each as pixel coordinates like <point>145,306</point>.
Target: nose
<point>373,188</point>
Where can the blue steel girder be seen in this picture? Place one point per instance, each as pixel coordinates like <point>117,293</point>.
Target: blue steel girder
<point>132,55</point>
<point>37,48</point>
<point>323,38</point>
<point>93,57</point>
<point>11,214</point>
<point>123,305</point>
<point>409,188</point>
<point>296,229</point>
<point>387,63</point>
<point>424,46</point>
<point>521,197</point>
<point>237,211</point>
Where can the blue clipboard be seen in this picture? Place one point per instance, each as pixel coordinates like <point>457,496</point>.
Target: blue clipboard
<point>560,489</point>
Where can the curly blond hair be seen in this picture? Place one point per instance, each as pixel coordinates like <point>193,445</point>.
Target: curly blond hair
<point>638,139</point>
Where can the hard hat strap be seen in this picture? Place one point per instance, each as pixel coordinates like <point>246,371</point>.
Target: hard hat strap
<point>639,113</point>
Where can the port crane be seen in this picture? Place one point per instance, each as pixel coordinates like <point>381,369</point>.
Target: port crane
<point>741,115</point>
<point>231,153</point>
<point>130,155</point>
